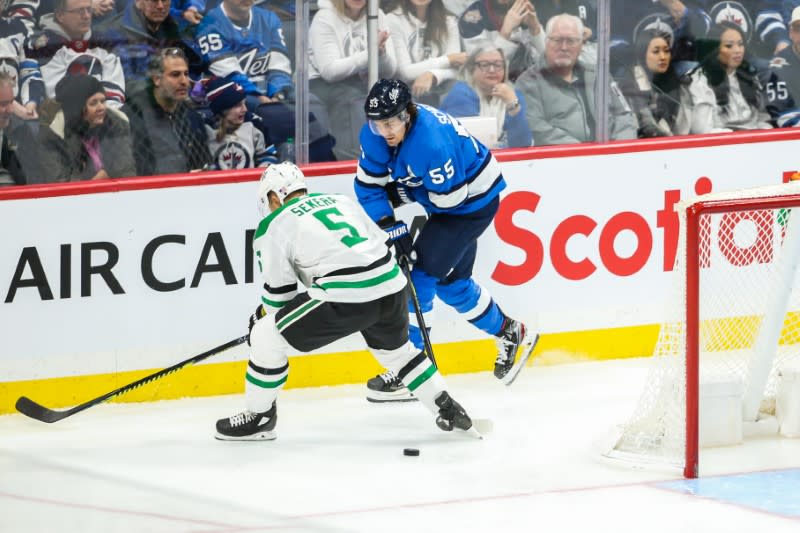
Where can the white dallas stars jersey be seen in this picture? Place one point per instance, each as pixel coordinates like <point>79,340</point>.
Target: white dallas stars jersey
<point>327,243</point>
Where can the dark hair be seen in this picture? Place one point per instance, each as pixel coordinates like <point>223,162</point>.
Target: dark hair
<point>436,26</point>
<point>716,74</point>
<point>72,92</point>
<point>156,65</point>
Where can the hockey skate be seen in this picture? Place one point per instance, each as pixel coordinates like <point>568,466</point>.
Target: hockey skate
<point>248,426</point>
<point>513,337</point>
<point>387,387</point>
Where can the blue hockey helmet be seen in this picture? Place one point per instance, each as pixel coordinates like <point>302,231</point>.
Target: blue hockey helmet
<point>386,99</point>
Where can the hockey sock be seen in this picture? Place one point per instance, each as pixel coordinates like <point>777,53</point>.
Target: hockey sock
<point>262,385</point>
<point>423,380</point>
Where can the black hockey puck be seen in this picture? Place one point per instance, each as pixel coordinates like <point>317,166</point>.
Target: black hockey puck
<point>411,452</point>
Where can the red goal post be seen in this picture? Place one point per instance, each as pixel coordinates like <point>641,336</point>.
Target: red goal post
<point>731,329</point>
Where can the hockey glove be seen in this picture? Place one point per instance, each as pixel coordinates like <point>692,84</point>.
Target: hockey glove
<point>255,317</point>
<point>398,194</point>
<point>401,240</point>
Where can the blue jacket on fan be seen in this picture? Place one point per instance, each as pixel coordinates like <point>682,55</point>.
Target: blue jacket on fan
<point>438,164</point>
<point>463,101</point>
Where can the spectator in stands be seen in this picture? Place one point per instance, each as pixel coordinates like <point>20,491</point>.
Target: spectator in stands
<point>487,93</point>
<point>234,140</point>
<point>683,20</point>
<point>559,91</point>
<point>86,139</point>
<point>65,46</point>
<point>653,89</point>
<point>247,42</point>
<point>783,86</point>
<point>511,24</point>
<point>29,87</point>
<point>168,136</point>
<point>338,66</point>
<point>724,92</point>
<point>138,33</point>
<point>428,47</point>
<point>18,157</point>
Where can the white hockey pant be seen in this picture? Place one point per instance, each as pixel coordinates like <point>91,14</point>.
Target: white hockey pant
<point>268,366</point>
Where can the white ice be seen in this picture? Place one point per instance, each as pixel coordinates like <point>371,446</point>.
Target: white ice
<point>337,465</point>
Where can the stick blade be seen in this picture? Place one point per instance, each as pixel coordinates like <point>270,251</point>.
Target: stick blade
<point>31,409</point>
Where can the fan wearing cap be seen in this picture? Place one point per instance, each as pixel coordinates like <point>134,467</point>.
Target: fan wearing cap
<point>411,152</point>
<point>783,86</point>
<point>86,139</point>
<point>233,139</point>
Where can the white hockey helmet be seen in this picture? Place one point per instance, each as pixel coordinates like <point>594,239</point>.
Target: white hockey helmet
<point>283,179</point>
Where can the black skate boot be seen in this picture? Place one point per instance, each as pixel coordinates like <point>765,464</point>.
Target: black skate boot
<point>513,335</point>
<point>387,387</point>
<point>451,414</point>
<point>248,426</point>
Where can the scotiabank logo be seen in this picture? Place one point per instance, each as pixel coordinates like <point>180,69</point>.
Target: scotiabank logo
<point>603,233</point>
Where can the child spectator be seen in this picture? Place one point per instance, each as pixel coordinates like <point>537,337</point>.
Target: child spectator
<point>234,141</point>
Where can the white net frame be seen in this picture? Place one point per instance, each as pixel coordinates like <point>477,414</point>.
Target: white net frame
<point>737,314</point>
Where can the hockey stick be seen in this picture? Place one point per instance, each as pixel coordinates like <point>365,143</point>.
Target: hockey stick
<point>418,311</point>
<point>28,407</point>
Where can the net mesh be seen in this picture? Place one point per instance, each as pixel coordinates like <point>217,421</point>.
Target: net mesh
<point>745,263</point>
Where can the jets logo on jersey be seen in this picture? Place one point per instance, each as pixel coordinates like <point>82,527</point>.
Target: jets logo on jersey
<point>411,180</point>
<point>656,21</point>
<point>253,64</point>
<point>232,155</point>
<point>85,64</point>
<point>733,12</point>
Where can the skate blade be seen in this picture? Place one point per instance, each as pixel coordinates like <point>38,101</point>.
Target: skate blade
<point>391,399</point>
<point>264,435</point>
<point>509,378</point>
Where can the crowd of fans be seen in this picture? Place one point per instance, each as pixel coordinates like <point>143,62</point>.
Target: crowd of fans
<point>110,88</point>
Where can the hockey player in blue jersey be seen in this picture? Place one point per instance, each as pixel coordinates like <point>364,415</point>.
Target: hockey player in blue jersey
<point>415,153</point>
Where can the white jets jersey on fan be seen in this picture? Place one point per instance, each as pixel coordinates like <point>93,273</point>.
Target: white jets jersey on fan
<point>327,243</point>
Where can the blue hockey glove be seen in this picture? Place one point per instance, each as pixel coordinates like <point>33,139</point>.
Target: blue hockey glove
<point>401,239</point>
<point>255,317</point>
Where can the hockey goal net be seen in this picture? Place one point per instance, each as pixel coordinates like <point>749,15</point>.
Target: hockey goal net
<point>732,322</point>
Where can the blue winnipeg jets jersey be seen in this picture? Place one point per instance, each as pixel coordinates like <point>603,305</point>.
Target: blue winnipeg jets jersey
<point>255,56</point>
<point>439,165</point>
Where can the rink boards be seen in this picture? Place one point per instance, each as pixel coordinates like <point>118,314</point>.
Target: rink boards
<point>103,282</point>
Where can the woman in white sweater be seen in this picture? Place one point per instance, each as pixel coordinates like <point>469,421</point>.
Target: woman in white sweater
<point>724,91</point>
<point>339,67</point>
<point>428,47</point>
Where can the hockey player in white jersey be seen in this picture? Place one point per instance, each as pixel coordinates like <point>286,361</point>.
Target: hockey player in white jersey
<point>415,153</point>
<point>328,244</point>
